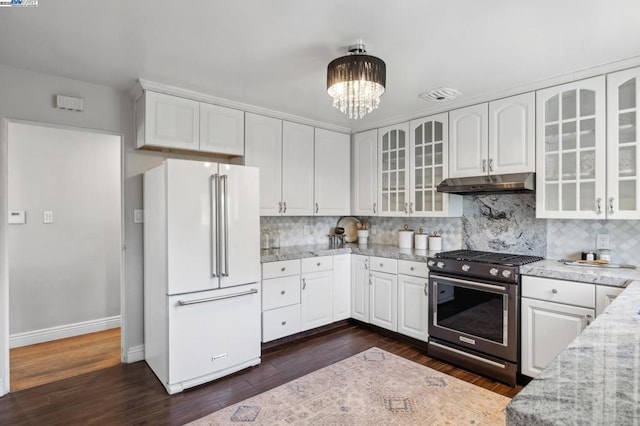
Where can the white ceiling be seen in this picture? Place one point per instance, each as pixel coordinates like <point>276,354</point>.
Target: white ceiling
<point>273,54</point>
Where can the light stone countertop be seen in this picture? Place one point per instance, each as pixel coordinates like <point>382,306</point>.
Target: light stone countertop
<point>548,268</point>
<point>381,250</point>
<point>596,379</point>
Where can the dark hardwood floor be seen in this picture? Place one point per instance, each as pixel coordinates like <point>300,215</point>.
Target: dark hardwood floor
<point>131,394</point>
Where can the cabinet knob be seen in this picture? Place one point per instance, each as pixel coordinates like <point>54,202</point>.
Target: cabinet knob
<point>282,292</point>
<point>318,264</point>
<point>411,268</point>
<point>283,323</point>
<point>283,269</point>
<point>381,265</point>
<point>554,291</point>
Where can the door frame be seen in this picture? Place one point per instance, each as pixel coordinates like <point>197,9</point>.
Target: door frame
<point>5,369</point>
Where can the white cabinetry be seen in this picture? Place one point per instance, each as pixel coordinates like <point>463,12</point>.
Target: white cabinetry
<point>360,283</point>
<point>332,173</point>
<point>571,150</point>
<point>493,138</point>
<point>317,292</point>
<point>297,169</point>
<point>280,299</point>
<point>383,295</point>
<point>365,174</point>
<point>341,287</point>
<point>413,299</point>
<point>393,165</point>
<point>221,130</point>
<point>172,122</point>
<point>166,121</point>
<point>428,166</point>
<point>553,313</point>
<point>623,145</point>
<point>604,296</point>
<point>469,141</point>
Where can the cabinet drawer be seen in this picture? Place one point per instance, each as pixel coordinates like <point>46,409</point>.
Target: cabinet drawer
<point>280,322</point>
<point>282,268</point>
<point>279,292</point>
<point>315,264</point>
<point>414,269</point>
<point>382,264</point>
<point>568,292</point>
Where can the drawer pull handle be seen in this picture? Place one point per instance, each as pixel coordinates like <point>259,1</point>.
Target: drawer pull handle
<point>304,283</point>
<point>589,318</point>
<point>426,289</point>
<point>284,323</point>
<point>554,291</point>
<point>282,292</point>
<point>283,269</point>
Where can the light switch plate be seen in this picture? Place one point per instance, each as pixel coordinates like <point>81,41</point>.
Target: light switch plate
<point>17,217</point>
<point>138,216</point>
<point>47,217</point>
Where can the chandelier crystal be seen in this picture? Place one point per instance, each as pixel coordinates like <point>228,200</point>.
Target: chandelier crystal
<point>356,82</point>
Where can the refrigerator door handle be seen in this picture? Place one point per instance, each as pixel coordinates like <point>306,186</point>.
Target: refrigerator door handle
<point>213,221</point>
<point>225,226</point>
<point>212,299</point>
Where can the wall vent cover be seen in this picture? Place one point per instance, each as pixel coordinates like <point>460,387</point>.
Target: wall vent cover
<point>440,94</point>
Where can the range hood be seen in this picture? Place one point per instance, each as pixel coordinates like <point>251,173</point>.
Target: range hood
<point>515,182</point>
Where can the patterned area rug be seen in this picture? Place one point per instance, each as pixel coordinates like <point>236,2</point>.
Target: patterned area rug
<point>373,387</point>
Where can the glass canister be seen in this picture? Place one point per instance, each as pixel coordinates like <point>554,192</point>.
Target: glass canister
<point>275,239</point>
<point>264,240</point>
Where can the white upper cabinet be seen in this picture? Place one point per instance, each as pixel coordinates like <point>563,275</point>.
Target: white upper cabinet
<point>428,166</point>
<point>494,138</point>
<point>623,151</point>
<point>393,166</point>
<point>263,149</point>
<point>221,130</point>
<point>365,174</point>
<point>469,141</point>
<point>512,135</point>
<point>172,122</point>
<point>297,169</point>
<point>332,173</point>
<point>166,121</point>
<point>570,150</point>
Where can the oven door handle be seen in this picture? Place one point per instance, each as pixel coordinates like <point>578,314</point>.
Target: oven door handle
<point>471,284</point>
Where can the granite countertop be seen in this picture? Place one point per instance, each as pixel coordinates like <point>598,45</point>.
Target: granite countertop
<point>381,250</point>
<point>596,379</point>
<point>616,277</point>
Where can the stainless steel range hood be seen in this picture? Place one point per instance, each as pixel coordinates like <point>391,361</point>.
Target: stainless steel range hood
<point>515,182</point>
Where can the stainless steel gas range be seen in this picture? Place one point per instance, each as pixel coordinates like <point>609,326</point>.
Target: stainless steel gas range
<point>474,310</point>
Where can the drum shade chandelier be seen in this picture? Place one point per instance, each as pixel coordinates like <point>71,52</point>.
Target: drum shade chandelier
<point>356,82</point>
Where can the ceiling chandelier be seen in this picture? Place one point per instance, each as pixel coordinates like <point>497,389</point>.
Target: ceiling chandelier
<point>356,82</point>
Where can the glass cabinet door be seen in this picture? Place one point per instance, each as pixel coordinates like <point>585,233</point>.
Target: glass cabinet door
<point>571,150</point>
<point>393,166</point>
<point>622,144</point>
<point>429,139</point>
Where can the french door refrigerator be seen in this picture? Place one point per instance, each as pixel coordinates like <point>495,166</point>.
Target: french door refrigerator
<point>201,271</point>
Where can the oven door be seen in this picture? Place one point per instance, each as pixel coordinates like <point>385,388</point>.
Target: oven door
<point>478,315</point>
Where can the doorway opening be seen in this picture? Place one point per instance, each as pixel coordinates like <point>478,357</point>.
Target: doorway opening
<point>64,241</point>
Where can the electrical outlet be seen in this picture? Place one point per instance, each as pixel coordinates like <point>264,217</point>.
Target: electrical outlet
<point>138,216</point>
<point>602,242</point>
<point>47,217</point>
<point>306,230</point>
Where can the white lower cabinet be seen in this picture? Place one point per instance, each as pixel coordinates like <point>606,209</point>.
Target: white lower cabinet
<point>360,287</point>
<point>316,306</point>
<point>341,287</point>
<point>280,299</point>
<point>604,296</point>
<point>554,312</point>
<point>383,294</point>
<point>413,299</point>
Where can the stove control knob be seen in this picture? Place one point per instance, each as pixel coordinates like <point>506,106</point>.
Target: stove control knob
<point>493,271</point>
<point>465,267</point>
<point>431,263</point>
<point>506,273</point>
<point>440,265</point>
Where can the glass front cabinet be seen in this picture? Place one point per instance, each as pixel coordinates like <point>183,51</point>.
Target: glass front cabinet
<point>412,161</point>
<point>623,93</point>
<point>571,150</point>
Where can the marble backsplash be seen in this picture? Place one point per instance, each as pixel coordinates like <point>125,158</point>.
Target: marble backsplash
<point>496,222</point>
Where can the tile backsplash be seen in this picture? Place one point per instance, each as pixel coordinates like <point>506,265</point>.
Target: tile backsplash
<point>496,222</point>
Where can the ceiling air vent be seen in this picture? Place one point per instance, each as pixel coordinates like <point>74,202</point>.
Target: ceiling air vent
<point>440,94</point>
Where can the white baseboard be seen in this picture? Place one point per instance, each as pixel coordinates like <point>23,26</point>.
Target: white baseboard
<point>135,354</point>
<point>63,331</point>
<point>3,390</point>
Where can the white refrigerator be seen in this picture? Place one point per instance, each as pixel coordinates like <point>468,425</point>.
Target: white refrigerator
<point>201,271</point>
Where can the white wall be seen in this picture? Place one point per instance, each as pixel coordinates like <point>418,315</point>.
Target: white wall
<point>68,271</point>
